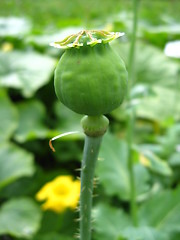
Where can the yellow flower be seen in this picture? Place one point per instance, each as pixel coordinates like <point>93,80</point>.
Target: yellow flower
<point>59,194</point>
<point>144,160</point>
<point>7,47</point>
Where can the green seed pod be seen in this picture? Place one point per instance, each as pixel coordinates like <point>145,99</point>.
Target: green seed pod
<point>90,77</point>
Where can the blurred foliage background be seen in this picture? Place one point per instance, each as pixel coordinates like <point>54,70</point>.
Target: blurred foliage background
<point>30,115</point>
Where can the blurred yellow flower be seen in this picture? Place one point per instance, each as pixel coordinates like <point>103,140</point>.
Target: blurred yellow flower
<point>109,27</point>
<point>144,160</point>
<point>7,47</point>
<point>59,194</point>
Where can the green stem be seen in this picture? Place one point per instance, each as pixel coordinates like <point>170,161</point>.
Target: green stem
<point>93,136</point>
<point>133,205</point>
<point>133,45</point>
<point>131,117</point>
<point>91,149</point>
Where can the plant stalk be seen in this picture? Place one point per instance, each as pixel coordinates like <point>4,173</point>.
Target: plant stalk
<point>91,149</point>
<point>94,128</point>
<point>133,205</point>
<point>131,117</point>
<point>132,46</point>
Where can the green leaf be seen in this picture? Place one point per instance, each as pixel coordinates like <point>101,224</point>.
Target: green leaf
<point>112,169</point>
<point>51,222</point>
<point>162,211</point>
<point>160,34</point>
<point>170,140</point>
<point>109,222</point>
<point>161,106</point>
<point>121,238</point>
<point>142,233</point>
<point>67,151</point>
<point>174,160</point>
<point>52,236</point>
<point>8,117</point>
<point>27,71</point>
<point>44,40</point>
<point>175,236</point>
<point>152,66</point>
<point>14,27</point>
<point>158,73</point>
<point>67,120</point>
<point>154,163</point>
<point>20,218</point>
<point>31,121</point>
<point>14,163</point>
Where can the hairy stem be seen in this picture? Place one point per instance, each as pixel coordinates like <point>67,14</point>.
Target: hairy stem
<point>93,137</point>
<point>131,116</point>
<point>91,149</point>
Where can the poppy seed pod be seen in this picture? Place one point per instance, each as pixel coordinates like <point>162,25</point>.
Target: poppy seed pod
<point>90,78</point>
